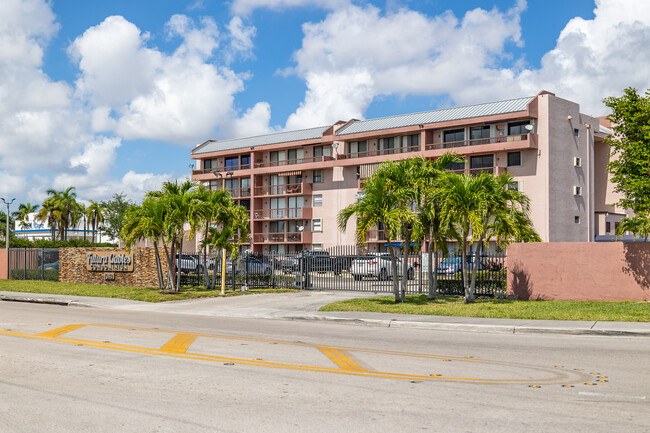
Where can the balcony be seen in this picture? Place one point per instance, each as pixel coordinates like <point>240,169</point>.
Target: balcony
<point>285,162</point>
<point>481,141</point>
<point>283,238</point>
<point>221,169</point>
<point>380,152</point>
<point>239,192</point>
<point>289,189</point>
<point>282,214</point>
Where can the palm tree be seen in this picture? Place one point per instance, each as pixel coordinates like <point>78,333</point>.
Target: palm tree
<point>435,231</point>
<point>95,213</point>
<point>147,222</point>
<point>22,214</point>
<point>462,201</point>
<point>51,214</point>
<point>638,225</point>
<point>377,206</point>
<point>178,199</point>
<point>66,201</point>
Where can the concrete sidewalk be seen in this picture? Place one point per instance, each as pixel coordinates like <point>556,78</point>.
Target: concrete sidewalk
<point>305,305</point>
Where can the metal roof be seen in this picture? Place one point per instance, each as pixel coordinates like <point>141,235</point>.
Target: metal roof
<point>604,130</point>
<point>435,116</point>
<point>260,140</point>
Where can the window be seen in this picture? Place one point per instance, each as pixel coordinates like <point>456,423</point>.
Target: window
<point>245,162</point>
<point>213,185</point>
<point>245,187</point>
<point>386,145</point>
<point>481,163</point>
<point>514,159</point>
<point>277,227</point>
<point>608,227</point>
<point>454,135</point>
<point>517,185</point>
<point>577,190</point>
<point>358,148</point>
<point>317,176</point>
<point>277,158</point>
<point>318,200</point>
<point>577,162</point>
<point>320,151</point>
<point>517,128</point>
<point>209,163</point>
<point>478,133</point>
<point>232,163</point>
<point>456,166</point>
<point>295,156</point>
<point>317,247</point>
<point>576,132</point>
<point>411,143</point>
<point>576,219</point>
<point>317,225</point>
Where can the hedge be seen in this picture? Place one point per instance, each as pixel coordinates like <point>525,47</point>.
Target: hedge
<point>35,274</point>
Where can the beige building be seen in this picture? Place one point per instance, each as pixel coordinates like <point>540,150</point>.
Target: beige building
<point>294,183</point>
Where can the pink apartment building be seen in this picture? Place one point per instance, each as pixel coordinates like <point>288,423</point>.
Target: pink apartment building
<point>294,183</point>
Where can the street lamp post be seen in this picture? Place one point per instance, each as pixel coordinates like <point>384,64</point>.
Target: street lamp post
<point>7,238</point>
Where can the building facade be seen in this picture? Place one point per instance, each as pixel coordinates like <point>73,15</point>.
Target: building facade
<point>294,183</point>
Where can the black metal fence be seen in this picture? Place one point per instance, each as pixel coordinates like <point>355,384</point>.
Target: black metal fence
<point>347,268</point>
<point>34,264</point>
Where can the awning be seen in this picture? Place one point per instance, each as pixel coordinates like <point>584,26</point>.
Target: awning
<point>398,244</point>
<point>291,173</point>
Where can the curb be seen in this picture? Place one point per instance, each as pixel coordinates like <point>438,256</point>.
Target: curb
<point>392,323</point>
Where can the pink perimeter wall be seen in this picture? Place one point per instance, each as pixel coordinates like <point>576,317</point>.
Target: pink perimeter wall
<point>607,271</point>
<point>3,264</point>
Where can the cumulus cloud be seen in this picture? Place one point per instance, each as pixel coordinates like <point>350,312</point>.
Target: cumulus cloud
<point>180,98</point>
<point>357,54</point>
<point>245,7</point>
<point>241,37</point>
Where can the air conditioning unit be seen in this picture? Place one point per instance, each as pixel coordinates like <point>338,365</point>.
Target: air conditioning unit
<point>577,190</point>
<point>577,161</point>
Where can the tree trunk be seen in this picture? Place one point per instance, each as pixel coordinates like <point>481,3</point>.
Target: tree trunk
<point>179,270</point>
<point>393,265</point>
<point>158,264</point>
<point>432,275</point>
<point>406,246</point>
<point>469,295</point>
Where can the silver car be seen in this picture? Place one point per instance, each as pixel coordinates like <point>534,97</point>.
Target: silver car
<point>378,267</point>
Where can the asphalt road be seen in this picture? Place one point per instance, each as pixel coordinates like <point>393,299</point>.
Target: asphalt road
<point>68,369</point>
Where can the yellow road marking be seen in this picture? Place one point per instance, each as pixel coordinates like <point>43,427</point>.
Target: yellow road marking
<point>62,330</point>
<point>340,359</point>
<point>179,344</point>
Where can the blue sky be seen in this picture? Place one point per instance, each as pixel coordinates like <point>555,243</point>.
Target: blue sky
<point>110,96</point>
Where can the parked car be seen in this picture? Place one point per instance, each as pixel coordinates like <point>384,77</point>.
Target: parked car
<point>378,266</point>
<point>315,261</point>
<point>247,265</point>
<point>451,265</point>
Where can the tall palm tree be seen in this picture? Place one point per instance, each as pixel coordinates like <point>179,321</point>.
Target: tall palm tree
<point>22,214</point>
<point>462,201</point>
<point>435,231</point>
<point>95,214</point>
<point>67,202</point>
<point>50,213</point>
<point>147,222</point>
<point>178,199</point>
<point>377,206</point>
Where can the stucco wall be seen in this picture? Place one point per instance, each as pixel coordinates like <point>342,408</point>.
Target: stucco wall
<point>72,267</point>
<point>605,271</point>
<point>3,264</point>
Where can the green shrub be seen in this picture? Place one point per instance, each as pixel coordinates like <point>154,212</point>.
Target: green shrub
<point>35,274</point>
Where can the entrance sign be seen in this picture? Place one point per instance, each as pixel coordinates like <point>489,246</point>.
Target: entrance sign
<point>109,262</point>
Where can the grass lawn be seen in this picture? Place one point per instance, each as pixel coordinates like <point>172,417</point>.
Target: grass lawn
<point>501,308</point>
<point>132,293</point>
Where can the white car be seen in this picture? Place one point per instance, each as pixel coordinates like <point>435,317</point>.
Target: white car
<point>378,266</point>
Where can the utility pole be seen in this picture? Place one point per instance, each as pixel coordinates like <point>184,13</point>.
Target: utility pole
<point>7,238</point>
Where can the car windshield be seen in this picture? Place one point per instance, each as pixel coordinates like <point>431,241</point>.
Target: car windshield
<point>450,261</point>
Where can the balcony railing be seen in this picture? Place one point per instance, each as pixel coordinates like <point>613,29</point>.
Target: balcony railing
<point>283,238</point>
<point>293,161</point>
<point>221,169</point>
<point>282,214</point>
<point>288,189</point>
<point>477,141</point>
<point>239,192</point>
<point>475,171</point>
<point>379,152</point>
<point>376,236</point>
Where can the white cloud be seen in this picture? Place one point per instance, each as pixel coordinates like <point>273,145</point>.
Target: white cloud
<point>241,37</point>
<point>245,7</point>
<point>466,59</point>
<point>358,53</point>
<point>253,122</point>
<point>179,98</point>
